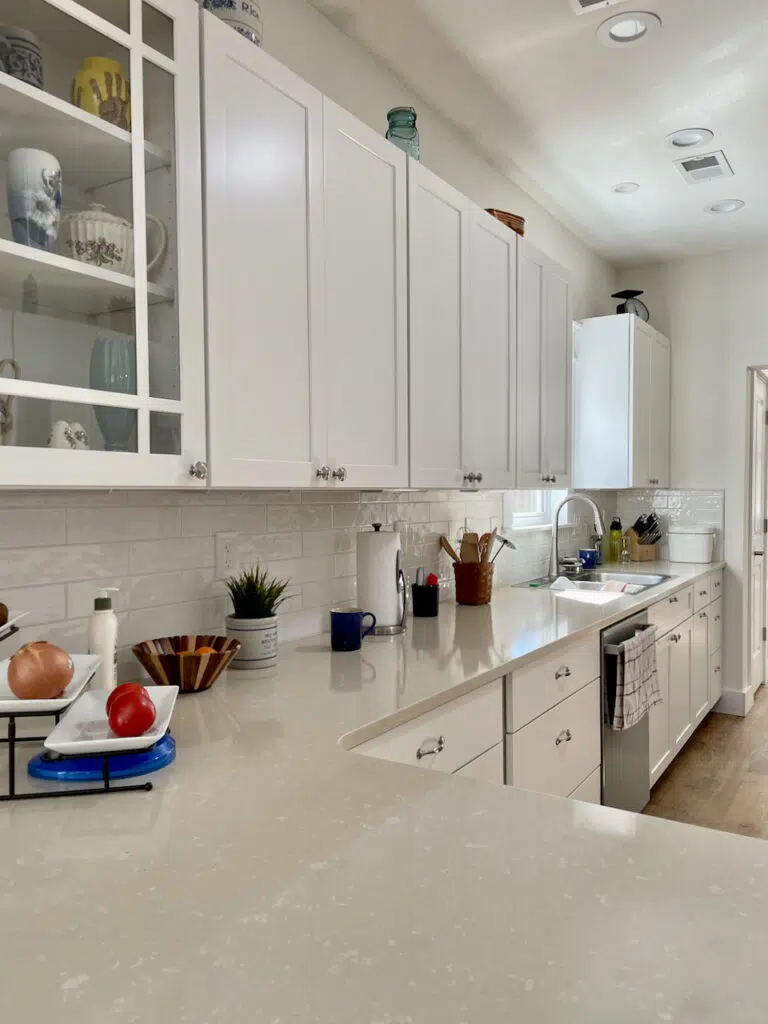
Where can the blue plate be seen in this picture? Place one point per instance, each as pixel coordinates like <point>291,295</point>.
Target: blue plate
<point>55,768</point>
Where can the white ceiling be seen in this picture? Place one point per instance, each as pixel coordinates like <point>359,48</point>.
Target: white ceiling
<point>567,117</point>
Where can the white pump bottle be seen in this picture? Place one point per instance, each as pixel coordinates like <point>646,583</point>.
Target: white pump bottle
<point>102,640</point>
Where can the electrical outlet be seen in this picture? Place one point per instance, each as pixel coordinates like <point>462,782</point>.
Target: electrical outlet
<point>227,562</point>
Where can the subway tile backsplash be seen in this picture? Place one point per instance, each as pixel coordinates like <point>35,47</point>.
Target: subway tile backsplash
<point>675,508</point>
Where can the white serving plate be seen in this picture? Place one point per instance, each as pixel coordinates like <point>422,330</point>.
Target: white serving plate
<point>85,669</point>
<point>85,728</point>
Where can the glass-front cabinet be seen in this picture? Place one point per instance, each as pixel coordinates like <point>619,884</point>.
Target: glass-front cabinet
<point>101,283</point>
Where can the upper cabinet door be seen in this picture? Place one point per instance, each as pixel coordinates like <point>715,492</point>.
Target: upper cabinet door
<point>556,384</point>
<point>530,318</point>
<point>264,219</point>
<point>438,248</point>
<point>660,407</point>
<point>489,353</point>
<point>641,412</point>
<point>366,295</point>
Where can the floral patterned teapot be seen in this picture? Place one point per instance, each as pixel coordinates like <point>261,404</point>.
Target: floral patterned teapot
<point>98,237</point>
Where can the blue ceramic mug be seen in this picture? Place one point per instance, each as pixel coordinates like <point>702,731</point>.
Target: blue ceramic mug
<point>588,557</point>
<point>347,628</point>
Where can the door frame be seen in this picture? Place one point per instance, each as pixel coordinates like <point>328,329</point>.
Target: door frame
<point>755,374</point>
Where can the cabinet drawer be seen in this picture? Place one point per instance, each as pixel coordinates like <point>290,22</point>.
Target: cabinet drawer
<point>715,677</point>
<point>560,749</point>
<point>489,767</point>
<point>716,625</point>
<point>716,584</point>
<point>702,593</point>
<point>590,791</point>
<point>672,611</point>
<point>543,683</point>
<point>469,726</point>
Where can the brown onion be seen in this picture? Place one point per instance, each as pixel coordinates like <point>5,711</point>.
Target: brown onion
<point>40,671</point>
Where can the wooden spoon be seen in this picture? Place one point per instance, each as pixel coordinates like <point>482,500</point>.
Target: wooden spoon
<point>445,544</point>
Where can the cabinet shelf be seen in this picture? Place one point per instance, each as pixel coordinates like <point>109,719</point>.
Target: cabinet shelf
<point>65,285</point>
<point>92,152</point>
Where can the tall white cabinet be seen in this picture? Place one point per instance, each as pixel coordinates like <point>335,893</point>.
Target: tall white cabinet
<point>621,396</point>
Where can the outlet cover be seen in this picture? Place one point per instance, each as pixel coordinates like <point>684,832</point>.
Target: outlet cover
<point>227,558</point>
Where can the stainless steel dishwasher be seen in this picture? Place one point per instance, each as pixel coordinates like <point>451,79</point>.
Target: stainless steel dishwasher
<point>626,755</point>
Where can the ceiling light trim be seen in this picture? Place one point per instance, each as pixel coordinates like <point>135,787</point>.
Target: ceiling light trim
<point>689,138</point>
<point>628,29</point>
<point>625,188</point>
<point>726,206</point>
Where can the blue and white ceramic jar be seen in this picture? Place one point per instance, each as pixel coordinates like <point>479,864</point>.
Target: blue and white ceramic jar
<point>34,197</point>
<point>244,16</point>
<point>21,56</point>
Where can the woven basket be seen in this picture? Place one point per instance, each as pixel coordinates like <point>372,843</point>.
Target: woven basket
<point>510,219</point>
<point>474,582</point>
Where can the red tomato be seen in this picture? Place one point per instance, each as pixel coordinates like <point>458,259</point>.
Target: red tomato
<point>132,714</point>
<point>125,688</point>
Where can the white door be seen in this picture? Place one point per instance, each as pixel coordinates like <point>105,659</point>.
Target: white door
<point>660,406</point>
<point>531,270</point>
<point>641,407</point>
<point>264,218</point>
<point>701,667</point>
<point>438,252</point>
<point>366,295</point>
<point>658,717</point>
<point>556,382</point>
<point>489,353</point>
<point>680,670</point>
<point>757,596</point>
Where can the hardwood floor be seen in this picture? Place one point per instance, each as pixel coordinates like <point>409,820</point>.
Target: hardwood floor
<point>720,780</point>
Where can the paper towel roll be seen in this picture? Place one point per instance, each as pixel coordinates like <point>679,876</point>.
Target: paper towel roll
<point>377,582</point>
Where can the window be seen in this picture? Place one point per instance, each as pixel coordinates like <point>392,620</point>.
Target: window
<point>526,509</point>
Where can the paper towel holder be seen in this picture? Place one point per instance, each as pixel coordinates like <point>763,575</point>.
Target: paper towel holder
<point>402,590</point>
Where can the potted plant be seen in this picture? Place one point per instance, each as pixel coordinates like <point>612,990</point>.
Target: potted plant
<point>256,596</point>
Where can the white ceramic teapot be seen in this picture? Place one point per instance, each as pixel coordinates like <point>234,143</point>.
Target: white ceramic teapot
<point>102,239</point>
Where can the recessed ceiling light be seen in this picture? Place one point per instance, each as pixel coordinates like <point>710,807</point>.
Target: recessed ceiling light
<point>726,206</point>
<point>688,137</point>
<point>625,188</point>
<point>628,29</point>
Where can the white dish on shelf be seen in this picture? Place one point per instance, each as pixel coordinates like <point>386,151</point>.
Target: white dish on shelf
<point>85,728</point>
<point>13,618</point>
<point>85,669</point>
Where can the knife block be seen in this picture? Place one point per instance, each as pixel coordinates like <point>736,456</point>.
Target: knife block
<point>640,552</point>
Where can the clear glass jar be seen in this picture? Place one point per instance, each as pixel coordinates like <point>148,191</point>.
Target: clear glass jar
<point>402,130</point>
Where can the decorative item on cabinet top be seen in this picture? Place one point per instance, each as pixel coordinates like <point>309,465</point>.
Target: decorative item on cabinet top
<point>34,197</point>
<point>632,303</point>
<point>244,16</point>
<point>101,88</point>
<point>20,55</point>
<point>517,224</point>
<point>106,240</point>
<point>403,132</point>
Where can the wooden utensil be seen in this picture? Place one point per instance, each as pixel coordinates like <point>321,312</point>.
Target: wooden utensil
<point>445,544</point>
<point>470,548</point>
<point>488,547</point>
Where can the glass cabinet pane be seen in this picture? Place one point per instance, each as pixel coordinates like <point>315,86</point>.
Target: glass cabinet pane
<point>40,423</point>
<point>114,11</point>
<point>157,30</point>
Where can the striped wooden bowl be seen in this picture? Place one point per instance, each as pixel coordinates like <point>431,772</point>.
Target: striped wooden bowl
<point>517,224</point>
<point>171,661</point>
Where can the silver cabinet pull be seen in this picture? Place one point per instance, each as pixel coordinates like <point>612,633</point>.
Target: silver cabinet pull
<point>717,618</point>
<point>324,473</point>
<point>199,470</point>
<point>565,737</point>
<point>478,478</point>
<point>340,474</point>
<point>470,478</point>
<point>564,670</point>
<point>716,668</point>
<point>702,593</point>
<point>717,584</point>
<point>702,615</point>
<point>431,745</point>
<point>674,600</point>
<point>676,638</point>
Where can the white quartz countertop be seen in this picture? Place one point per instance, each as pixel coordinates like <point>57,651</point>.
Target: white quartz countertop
<point>273,876</point>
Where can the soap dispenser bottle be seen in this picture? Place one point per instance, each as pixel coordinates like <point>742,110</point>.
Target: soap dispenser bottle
<point>102,640</point>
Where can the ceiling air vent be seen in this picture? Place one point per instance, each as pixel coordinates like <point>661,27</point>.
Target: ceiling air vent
<point>706,167</point>
<point>585,6</point>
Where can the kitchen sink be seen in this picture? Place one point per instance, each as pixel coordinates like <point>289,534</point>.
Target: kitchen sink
<point>594,580</point>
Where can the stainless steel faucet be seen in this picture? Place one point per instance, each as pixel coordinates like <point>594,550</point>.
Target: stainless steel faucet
<point>554,556</point>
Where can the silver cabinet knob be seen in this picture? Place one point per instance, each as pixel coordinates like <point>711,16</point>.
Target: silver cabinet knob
<point>199,470</point>
<point>702,615</point>
<point>478,478</point>
<point>717,618</point>
<point>702,593</point>
<point>431,745</point>
<point>565,737</point>
<point>469,478</point>
<point>324,473</point>
<point>674,600</point>
<point>563,672</point>
<point>716,669</point>
<point>340,474</point>
<point>676,638</point>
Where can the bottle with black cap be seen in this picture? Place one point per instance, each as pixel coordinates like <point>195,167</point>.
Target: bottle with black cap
<point>102,640</point>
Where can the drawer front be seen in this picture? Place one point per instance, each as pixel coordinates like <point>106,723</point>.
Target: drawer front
<point>671,611</point>
<point>590,791</point>
<point>715,677</point>
<point>543,683</point>
<point>468,727</point>
<point>489,767</point>
<point>716,584</point>
<point>716,625</point>
<point>702,593</point>
<point>560,749</point>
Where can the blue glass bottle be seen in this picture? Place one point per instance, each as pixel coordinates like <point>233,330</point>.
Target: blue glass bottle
<point>403,131</point>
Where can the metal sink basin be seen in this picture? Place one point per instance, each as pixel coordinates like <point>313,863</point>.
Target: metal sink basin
<point>594,580</point>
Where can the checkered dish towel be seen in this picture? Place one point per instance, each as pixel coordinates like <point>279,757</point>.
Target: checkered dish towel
<point>637,680</point>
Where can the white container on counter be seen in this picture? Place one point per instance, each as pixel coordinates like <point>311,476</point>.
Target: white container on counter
<point>102,640</point>
<point>691,543</point>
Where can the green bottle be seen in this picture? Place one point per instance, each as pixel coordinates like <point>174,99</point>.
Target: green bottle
<point>614,540</point>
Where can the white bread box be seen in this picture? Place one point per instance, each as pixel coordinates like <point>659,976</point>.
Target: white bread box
<point>691,543</point>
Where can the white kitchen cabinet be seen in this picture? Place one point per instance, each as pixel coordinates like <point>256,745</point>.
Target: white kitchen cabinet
<point>591,790</point>
<point>701,667</point>
<point>715,678</point>
<point>489,767</point>
<point>107,339</point>
<point>621,396</point>
<point>660,746</point>
<point>680,679</point>
<point>544,337</point>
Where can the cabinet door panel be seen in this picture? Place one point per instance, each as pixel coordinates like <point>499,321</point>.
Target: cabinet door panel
<point>437,270</point>
<point>264,244</point>
<point>701,665</point>
<point>660,411</point>
<point>365,185</point>
<point>556,384</point>
<point>641,408</point>
<point>530,299</point>
<point>658,717</point>
<point>488,353</point>
<point>680,670</point>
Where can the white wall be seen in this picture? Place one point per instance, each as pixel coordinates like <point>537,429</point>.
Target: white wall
<point>296,34</point>
<point>709,306</point>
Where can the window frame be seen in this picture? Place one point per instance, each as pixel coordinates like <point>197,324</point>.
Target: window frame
<point>547,503</point>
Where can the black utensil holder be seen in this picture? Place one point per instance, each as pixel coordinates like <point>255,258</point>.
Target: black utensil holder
<point>426,601</point>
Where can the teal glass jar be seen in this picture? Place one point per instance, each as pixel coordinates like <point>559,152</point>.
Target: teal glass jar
<point>402,130</point>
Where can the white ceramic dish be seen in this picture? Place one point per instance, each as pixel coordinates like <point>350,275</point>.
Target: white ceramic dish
<point>85,669</point>
<point>13,618</point>
<point>85,729</point>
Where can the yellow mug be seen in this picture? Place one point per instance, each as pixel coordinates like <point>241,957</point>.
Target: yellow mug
<point>101,88</point>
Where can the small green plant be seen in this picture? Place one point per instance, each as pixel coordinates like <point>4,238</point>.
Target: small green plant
<point>256,595</point>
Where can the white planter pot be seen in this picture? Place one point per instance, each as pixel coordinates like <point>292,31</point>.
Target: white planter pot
<point>258,639</point>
